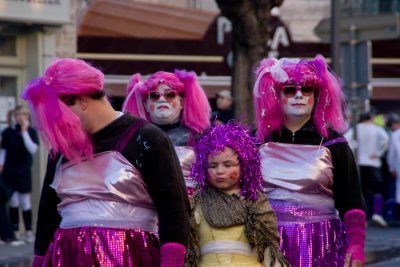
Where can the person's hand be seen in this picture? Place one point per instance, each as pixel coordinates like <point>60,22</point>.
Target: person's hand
<point>374,156</point>
<point>1,168</point>
<point>393,173</point>
<point>354,263</point>
<point>24,125</point>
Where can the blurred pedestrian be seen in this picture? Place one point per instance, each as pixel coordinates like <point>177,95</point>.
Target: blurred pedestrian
<point>19,144</point>
<point>177,104</point>
<point>6,232</point>
<point>393,161</point>
<point>232,222</point>
<point>372,142</point>
<point>310,175</point>
<point>113,194</point>
<point>224,108</point>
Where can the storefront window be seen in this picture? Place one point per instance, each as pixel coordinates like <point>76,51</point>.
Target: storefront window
<point>389,6</point>
<point>8,46</point>
<point>8,91</point>
<point>369,7</point>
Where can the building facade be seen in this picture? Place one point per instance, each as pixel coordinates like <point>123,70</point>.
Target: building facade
<point>123,37</point>
<point>32,33</point>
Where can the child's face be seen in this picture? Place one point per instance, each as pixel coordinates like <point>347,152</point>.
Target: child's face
<point>224,170</point>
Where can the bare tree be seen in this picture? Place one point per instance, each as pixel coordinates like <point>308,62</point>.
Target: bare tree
<point>250,34</point>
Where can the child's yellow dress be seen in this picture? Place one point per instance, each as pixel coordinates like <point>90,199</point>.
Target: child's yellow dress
<point>225,247</point>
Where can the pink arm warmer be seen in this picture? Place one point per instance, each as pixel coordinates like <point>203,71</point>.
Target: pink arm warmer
<point>354,223</point>
<point>37,261</point>
<point>172,255</point>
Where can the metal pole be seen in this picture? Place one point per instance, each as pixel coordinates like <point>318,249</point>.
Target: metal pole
<point>335,35</point>
<point>354,100</point>
<point>353,43</point>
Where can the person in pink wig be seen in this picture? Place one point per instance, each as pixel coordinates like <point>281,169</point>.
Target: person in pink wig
<point>310,175</point>
<point>177,104</point>
<point>113,194</point>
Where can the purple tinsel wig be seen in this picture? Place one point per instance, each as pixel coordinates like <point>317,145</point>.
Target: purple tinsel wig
<point>196,108</point>
<point>238,138</point>
<point>273,74</point>
<point>61,129</point>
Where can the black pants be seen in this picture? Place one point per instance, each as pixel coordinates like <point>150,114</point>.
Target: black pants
<point>371,184</point>
<point>6,232</point>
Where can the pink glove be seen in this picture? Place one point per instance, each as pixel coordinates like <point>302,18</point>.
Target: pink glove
<point>37,261</point>
<point>172,255</point>
<point>354,223</point>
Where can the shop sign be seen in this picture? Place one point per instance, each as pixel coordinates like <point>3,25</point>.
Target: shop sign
<point>53,12</point>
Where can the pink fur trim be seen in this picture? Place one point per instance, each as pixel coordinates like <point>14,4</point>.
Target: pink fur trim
<point>37,261</point>
<point>355,225</point>
<point>172,254</point>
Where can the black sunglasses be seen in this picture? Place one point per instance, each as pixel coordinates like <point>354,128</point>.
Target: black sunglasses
<point>168,95</point>
<point>291,90</point>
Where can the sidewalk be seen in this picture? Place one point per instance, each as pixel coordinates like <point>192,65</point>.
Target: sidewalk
<point>16,256</point>
<point>381,245</point>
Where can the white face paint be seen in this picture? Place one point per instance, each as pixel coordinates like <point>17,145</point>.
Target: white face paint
<point>167,108</point>
<point>298,106</point>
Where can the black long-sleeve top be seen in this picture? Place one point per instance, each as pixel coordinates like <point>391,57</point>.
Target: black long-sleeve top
<point>159,167</point>
<point>346,182</point>
<point>18,162</point>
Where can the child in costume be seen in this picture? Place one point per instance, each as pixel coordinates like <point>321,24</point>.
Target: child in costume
<point>310,175</point>
<point>232,222</point>
<point>177,104</point>
<point>113,194</point>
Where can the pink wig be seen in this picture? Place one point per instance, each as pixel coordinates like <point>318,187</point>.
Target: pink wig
<point>272,74</point>
<point>196,108</point>
<point>60,127</point>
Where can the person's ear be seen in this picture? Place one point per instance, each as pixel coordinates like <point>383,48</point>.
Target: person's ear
<point>145,104</point>
<point>182,100</point>
<point>83,102</point>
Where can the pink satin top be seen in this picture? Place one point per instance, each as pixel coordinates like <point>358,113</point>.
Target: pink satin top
<point>186,157</point>
<point>299,176</point>
<point>104,191</point>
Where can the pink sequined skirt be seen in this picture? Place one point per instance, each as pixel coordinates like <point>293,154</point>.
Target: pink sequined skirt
<point>103,247</point>
<point>310,237</point>
<point>321,244</point>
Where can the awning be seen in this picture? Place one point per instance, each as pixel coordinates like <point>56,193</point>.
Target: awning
<point>124,18</point>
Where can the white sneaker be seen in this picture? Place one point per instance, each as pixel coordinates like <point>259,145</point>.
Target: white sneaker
<point>378,219</point>
<point>29,237</point>
<point>17,243</point>
<point>17,235</point>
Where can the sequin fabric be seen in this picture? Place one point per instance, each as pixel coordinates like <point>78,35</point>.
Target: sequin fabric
<point>103,247</point>
<point>319,244</point>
